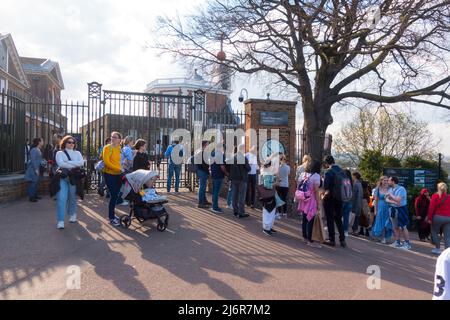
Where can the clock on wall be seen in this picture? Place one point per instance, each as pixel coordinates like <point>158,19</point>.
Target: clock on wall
<point>269,147</point>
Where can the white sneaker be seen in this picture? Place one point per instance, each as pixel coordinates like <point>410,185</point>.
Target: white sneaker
<point>73,219</point>
<point>60,225</point>
<point>346,234</point>
<point>383,241</point>
<point>278,216</point>
<point>230,207</point>
<point>125,203</point>
<point>436,251</point>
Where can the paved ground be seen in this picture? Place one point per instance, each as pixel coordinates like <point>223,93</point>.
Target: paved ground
<point>200,256</point>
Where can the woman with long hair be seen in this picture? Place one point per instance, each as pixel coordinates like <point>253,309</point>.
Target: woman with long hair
<point>140,160</point>
<point>383,224</point>
<point>68,160</point>
<point>33,169</point>
<point>439,216</point>
<point>113,173</point>
<point>421,205</point>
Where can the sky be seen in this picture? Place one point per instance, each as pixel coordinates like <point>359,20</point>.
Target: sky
<point>107,41</point>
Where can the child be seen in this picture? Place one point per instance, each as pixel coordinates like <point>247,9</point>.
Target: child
<point>267,195</point>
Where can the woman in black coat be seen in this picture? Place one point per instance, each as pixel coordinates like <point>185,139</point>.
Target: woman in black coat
<point>141,160</point>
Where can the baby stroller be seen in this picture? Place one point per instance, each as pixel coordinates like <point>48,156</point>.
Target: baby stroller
<point>143,210</point>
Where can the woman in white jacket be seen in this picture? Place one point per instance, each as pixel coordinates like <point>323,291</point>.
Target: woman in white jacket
<point>67,159</point>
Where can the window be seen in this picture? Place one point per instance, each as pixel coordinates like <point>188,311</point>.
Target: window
<point>2,85</point>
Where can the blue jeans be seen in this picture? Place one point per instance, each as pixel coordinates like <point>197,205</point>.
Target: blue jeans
<point>32,189</point>
<point>66,200</point>
<point>177,169</point>
<point>217,185</point>
<point>346,209</point>
<point>113,182</point>
<point>202,180</point>
<point>230,194</point>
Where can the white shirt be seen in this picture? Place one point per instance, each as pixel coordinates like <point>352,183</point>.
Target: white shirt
<point>158,149</point>
<point>253,162</point>
<point>63,162</point>
<point>313,180</point>
<point>442,277</point>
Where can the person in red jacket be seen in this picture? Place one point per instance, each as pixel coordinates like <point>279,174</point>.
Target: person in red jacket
<point>421,206</point>
<point>439,216</point>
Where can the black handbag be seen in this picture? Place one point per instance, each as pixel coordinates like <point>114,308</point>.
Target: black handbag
<point>265,193</point>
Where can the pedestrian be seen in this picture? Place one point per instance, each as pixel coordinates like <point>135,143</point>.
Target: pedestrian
<point>250,198</point>
<point>357,199</point>
<point>421,205</point>
<point>301,168</point>
<point>27,152</point>
<point>32,175</point>
<point>382,227</point>
<point>442,277</point>
<point>337,188</point>
<point>158,153</point>
<point>347,206</point>
<point>229,155</point>
<point>127,154</point>
<point>202,162</point>
<point>52,166</point>
<point>69,162</point>
<point>218,173</point>
<point>141,160</point>
<point>283,187</point>
<point>439,217</point>
<point>113,173</point>
<point>266,194</point>
<point>308,199</point>
<point>101,186</point>
<point>174,164</point>
<point>397,200</point>
<point>365,221</point>
<point>239,169</point>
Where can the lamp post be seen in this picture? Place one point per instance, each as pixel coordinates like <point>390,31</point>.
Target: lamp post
<point>439,169</point>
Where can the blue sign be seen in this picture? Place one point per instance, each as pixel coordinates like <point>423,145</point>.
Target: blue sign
<point>274,118</point>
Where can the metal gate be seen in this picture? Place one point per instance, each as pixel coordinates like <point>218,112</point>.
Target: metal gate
<point>151,117</point>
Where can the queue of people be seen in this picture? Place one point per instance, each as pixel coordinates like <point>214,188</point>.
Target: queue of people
<point>339,196</point>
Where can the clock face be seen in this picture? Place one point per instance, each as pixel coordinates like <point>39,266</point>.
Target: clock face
<point>269,147</point>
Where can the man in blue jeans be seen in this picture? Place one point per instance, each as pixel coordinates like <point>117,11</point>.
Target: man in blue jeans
<point>174,166</point>
<point>202,174</point>
<point>218,173</point>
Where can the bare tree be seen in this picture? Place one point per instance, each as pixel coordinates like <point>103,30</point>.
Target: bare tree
<point>392,133</point>
<point>329,51</point>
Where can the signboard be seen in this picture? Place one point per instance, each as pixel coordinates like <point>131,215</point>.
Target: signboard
<point>418,177</point>
<point>274,118</point>
<point>271,146</point>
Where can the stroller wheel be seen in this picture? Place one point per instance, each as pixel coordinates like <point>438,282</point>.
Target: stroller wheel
<point>161,227</point>
<point>125,221</point>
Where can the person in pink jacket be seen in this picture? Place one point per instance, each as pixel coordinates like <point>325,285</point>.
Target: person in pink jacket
<point>307,196</point>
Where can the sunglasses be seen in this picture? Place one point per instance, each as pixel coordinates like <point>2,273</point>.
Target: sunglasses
<point>70,142</point>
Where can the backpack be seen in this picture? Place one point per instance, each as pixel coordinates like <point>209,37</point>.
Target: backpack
<point>342,189</point>
<point>303,192</point>
<point>169,151</point>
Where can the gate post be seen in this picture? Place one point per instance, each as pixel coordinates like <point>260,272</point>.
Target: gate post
<point>94,100</point>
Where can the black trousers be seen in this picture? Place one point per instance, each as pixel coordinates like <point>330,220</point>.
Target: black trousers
<point>307,227</point>
<point>333,213</point>
<point>250,198</point>
<point>282,193</point>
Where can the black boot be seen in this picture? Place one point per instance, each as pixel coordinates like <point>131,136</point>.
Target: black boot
<point>361,231</point>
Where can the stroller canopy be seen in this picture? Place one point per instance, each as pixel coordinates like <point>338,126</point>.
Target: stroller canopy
<point>137,179</point>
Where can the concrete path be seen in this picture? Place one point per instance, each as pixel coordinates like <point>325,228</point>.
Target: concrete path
<point>200,256</point>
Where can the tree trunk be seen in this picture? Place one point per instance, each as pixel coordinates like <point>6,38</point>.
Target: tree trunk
<point>316,121</point>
